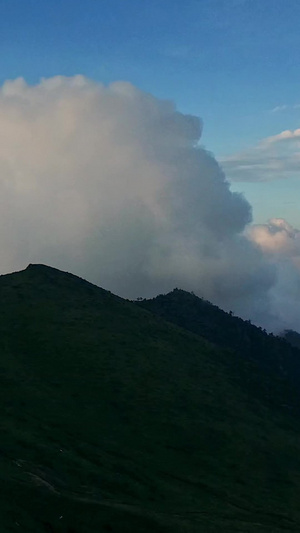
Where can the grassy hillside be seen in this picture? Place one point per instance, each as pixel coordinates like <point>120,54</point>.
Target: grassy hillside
<point>273,354</point>
<point>114,420</point>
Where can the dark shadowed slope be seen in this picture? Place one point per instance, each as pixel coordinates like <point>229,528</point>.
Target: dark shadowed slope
<point>292,337</point>
<point>272,353</point>
<point>114,420</point>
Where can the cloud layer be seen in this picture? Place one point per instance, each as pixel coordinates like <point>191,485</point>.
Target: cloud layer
<point>284,107</point>
<point>111,184</point>
<point>273,158</point>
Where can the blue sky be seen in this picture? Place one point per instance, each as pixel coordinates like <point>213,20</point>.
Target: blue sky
<point>232,62</point>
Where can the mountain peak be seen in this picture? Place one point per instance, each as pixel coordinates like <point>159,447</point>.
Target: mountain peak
<point>49,272</point>
<point>36,265</point>
<point>45,277</point>
<point>41,267</point>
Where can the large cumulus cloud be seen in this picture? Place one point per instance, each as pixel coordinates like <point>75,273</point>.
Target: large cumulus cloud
<point>112,184</point>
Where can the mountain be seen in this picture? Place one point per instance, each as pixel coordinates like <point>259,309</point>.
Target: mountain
<point>292,337</point>
<point>277,355</point>
<point>114,419</point>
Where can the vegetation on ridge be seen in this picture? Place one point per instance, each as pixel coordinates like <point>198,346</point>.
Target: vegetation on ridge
<point>272,353</point>
<point>293,337</point>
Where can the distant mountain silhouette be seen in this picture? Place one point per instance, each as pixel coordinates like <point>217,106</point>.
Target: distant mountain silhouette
<point>292,337</point>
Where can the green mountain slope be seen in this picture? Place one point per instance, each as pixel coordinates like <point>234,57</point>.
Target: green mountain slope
<point>272,353</point>
<point>114,420</point>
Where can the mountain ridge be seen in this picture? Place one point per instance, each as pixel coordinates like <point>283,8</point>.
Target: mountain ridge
<point>227,330</point>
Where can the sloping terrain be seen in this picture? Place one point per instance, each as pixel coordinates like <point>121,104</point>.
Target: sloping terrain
<point>292,337</point>
<point>114,420</point>
<point>279,355</point>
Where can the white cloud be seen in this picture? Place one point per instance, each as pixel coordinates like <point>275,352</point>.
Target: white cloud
<point>280,243</point>
<point>279,108</point>
<point>275,157</point>
<point>110,183</point>
<point>276,237</point>
<point>284,107</point>
<point>285,135</point>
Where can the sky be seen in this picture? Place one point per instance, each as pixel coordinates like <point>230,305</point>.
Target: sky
<point>221,80</point>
